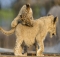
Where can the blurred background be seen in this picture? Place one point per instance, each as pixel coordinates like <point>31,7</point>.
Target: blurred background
<point>9,10</point>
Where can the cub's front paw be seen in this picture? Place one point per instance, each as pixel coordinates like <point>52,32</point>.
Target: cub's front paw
<point>13,24</point>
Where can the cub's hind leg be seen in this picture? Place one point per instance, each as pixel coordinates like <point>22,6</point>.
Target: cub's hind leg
<point>18,49</point>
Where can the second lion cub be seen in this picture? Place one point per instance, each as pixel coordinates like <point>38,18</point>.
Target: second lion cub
<point>24,17</point>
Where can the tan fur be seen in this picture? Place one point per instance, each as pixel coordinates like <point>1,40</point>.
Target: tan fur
<point>38,32</point>
<point>25,16</point>
<point>7,32</point>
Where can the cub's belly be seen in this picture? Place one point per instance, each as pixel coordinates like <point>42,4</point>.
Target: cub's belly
<point>29,42</point>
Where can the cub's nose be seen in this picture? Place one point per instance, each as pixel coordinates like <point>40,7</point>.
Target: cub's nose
<point>28,5</point>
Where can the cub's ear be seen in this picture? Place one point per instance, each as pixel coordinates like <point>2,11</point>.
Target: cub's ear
<point>55,19</point>
<point>28,5</point>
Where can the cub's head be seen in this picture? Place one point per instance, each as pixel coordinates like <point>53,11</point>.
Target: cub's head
<point>26,15</point>
<point>53,24</point>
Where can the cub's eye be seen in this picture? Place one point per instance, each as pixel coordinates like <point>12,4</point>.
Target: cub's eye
<point>21,16</point>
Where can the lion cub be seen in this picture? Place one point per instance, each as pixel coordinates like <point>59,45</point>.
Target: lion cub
<point>24,17</point>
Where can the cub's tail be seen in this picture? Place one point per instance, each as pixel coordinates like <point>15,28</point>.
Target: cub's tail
<point>7,32</point>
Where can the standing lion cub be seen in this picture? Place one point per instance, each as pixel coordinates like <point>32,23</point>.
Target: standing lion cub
<point>31,35</point>
<point>24,17</point>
